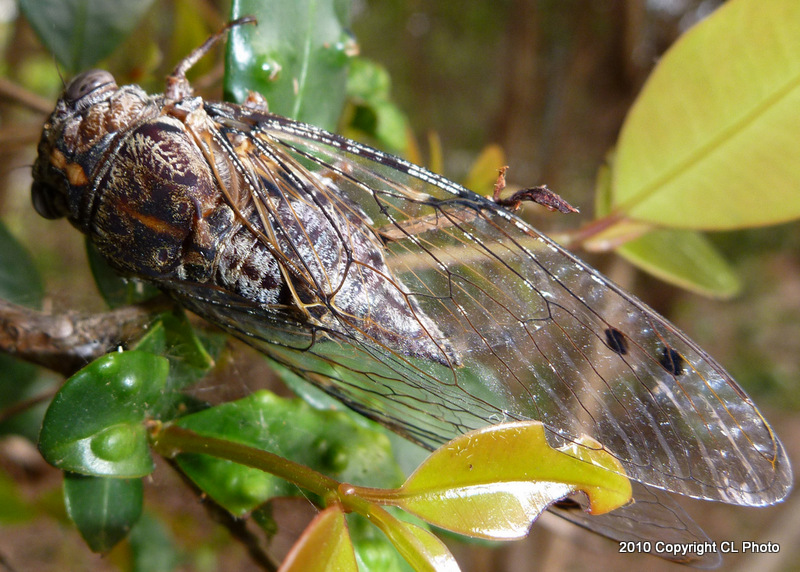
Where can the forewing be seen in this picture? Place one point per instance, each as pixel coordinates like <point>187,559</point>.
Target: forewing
<point>523,330</point>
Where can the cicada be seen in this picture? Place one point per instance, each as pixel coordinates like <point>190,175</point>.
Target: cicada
<point>411,299</point>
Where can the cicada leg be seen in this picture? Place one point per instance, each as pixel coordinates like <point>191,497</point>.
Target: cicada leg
<point>540,195</point>
<point>178,86</point>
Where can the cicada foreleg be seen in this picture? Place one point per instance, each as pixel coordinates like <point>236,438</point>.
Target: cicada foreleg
<point>178,86</point>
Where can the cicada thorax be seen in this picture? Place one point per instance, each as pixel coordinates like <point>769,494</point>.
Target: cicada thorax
<point>123,173</point>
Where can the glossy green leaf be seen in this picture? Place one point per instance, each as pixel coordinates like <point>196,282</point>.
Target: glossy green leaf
<point>94,424</point>
<point>494,482</point>
<point>324,545</point>
<point>327,441</point>
<point>296,57</point>
<point>80,33</point>
<point>684,258</point>
<point>104,509</point>
<point>420,548</point>
<point>711,142</point>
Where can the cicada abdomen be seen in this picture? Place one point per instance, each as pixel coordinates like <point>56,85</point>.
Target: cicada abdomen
<point>413,300</point>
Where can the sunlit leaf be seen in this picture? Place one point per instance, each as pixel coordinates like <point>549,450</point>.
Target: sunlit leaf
<point>685,258</point>
<point>296,57</point>
<point>104,509</point>
<point>494,482</point>
<point>483,173</point>
<point>374,550</point>
<point>421,549</point>
<point>94,424</point>
<point>324,545</point>
<point>711,142</point>
<point>681,257</point>
<point>79,33</point>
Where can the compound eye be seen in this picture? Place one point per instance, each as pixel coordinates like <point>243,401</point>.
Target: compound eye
<point>88,83</point>
<point>47,201</point>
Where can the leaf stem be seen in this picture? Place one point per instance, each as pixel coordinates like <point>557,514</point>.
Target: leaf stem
<point>171,440</point>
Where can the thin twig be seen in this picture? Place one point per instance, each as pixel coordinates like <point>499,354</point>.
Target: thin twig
<point>66,342</point>
<point>18,94</point>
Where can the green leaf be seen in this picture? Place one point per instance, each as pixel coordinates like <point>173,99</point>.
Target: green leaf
<point>103,509</point>
<point>94,425</point>
<point>14,508</point>
<point>296,57</point>
<point>190,355</point>
<point>684,258</point>
<point>324,545</point>
<point>681,257</point>
<point>494,482</point>
<point>20,381</point>
<point>420,548</point>
<point>20,282</point>
<point>711,142</point>
<point>482,175</point>
<point>327,441</point>
<point>152,546</point>
<point>374,550</point>
<point>373,114</point>
<point>80,33</point>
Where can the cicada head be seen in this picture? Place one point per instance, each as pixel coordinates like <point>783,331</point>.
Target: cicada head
<point>75,137</point>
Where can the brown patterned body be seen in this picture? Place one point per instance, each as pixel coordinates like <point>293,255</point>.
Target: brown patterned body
<point>170,195</point>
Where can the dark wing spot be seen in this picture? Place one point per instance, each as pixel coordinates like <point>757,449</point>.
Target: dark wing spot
<point>616,341</point>
<point>672,361</point>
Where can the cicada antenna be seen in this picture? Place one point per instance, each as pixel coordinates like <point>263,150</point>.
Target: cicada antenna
<point>178,86</point>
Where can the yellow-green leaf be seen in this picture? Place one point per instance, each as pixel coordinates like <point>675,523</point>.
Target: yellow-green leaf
<point>483,173</point>
<point>421,549</point>
<point>494,482</point>
<point>711,142</point>
<point>684,258</point>
<point>325,545</point>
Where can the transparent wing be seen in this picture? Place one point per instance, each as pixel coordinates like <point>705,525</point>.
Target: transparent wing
<point>653,517</point>
<point>480,319</point>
